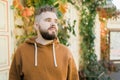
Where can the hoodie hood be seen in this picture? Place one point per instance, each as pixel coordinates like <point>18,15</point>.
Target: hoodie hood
<point>34,61</point>
<point>36,45</point>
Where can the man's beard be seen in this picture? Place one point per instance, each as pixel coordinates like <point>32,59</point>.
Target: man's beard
<point>48,36</point>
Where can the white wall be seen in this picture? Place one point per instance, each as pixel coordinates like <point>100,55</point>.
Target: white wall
<point>74,40</point>
<point>97,39</point>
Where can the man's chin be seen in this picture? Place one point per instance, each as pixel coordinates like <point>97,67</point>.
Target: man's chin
<point>52,32</point>
<point>49,35</point>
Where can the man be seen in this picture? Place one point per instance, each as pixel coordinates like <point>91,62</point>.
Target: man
<point>43,57</point>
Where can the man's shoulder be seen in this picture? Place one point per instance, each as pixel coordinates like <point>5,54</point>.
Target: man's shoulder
<point>65,48</point>
<point>22,45</point>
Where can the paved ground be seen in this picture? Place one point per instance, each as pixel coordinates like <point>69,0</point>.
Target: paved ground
<point>116,75</point>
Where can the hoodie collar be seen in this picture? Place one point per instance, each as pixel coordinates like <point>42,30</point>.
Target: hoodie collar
<point>32,41</point>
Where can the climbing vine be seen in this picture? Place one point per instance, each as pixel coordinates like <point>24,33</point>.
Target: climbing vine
<point>89,64</point>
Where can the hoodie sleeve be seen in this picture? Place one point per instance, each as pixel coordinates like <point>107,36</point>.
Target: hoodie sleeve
<point>72,70</point>
<point>15,72</point>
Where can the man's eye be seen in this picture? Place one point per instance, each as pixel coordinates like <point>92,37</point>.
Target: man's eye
<point>48,20</point>
<point>56,21</point>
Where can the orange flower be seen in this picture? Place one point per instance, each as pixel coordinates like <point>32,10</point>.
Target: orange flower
<point>17,4</point>
<point>63,7</point>
<point>103,13</point>
<point>20,7</point>
<point>28,12</point>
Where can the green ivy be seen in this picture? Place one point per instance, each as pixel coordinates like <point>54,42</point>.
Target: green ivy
<point>64,33</point>
<point>91,68</point>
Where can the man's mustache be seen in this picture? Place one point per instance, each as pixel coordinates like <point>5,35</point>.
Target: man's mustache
<point>53,26</point>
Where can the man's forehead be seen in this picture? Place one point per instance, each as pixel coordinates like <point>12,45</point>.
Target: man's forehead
<point>48,14</point>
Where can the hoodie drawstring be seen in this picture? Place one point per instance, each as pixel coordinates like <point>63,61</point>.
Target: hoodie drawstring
<point>54,55</point>
<point>35,54</point>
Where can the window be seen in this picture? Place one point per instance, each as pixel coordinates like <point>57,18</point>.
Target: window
<point>114,45</point>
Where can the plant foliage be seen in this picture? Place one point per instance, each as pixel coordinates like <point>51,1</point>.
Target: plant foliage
<point>90,66</point>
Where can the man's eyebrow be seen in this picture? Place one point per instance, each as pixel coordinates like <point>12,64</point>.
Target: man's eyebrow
<point>51,18</point>
<point>47,18</point>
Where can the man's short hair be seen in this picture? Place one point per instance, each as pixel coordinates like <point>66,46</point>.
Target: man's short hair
<point>44,9</point>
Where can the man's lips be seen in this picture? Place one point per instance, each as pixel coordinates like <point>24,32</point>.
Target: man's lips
<point>52,28</point>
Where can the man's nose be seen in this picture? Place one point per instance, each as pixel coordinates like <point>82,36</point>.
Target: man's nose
<point>53,24</point>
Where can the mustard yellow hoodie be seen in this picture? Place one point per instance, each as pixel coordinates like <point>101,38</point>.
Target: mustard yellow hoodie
<point>33,61</point>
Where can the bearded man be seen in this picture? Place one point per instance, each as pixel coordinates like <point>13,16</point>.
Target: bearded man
<point>43,57</point>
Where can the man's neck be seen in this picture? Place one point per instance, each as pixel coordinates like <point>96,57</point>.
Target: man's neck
<point>42,41</point>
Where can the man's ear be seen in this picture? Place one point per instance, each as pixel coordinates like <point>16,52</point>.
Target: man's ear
<point>36,26</point>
